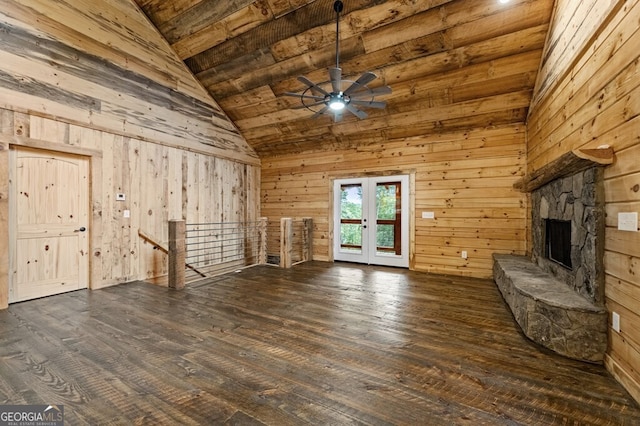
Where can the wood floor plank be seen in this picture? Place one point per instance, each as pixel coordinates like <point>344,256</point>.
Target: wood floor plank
<point>321,343</point>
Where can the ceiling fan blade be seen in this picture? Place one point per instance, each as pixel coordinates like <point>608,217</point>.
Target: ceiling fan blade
<point>336,78</point>
<point>357,112</point>
<point>300,95</point>
<point>320,112</point>
<point>314,87</point>
<point>382,90</point>
<point>360,82</point>
<point>370,104</point>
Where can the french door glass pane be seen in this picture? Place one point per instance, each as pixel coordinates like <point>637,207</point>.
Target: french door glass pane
<point>351,210</point>
<point>387,208</point>
<point>386,200</point>
<point>351,236</point>
<point>351,201</point>
<point>385,237</point>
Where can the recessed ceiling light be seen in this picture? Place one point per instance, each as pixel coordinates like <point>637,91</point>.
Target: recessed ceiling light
<point>504,1</point>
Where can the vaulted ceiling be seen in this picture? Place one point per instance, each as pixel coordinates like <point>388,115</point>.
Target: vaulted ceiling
<point>452,64</point>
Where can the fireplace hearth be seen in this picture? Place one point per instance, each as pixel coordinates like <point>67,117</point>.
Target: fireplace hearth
<point>556,294</point>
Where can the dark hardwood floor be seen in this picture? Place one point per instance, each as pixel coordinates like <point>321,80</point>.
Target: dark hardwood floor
<point>321,343</point>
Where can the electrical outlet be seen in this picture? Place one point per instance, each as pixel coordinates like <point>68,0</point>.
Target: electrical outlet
<point>120,196</point>
<point>428,215</point>
<point>126,213</point>
<point>615,321</point>
<point>464,254</point>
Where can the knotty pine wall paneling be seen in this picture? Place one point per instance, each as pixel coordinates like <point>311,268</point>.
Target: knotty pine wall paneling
<point>466,178</point>
<point>588,94</point>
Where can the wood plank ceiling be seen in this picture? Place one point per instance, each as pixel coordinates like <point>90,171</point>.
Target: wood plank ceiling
<point>452,65</point>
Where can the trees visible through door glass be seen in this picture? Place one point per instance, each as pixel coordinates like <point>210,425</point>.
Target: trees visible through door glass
<point>351,216</point>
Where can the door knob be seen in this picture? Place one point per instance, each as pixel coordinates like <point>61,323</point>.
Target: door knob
<point>82,229</point>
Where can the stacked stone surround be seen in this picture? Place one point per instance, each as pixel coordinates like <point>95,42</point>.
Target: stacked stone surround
<point>580,199</point>
<point>560,308</point>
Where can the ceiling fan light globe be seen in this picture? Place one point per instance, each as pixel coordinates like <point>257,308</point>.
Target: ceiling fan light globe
<point>336,104</point>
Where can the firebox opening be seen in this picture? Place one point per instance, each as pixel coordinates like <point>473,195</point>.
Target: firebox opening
<point>558,242</point>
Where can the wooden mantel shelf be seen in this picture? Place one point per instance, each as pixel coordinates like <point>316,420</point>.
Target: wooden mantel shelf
<point>566,165</point>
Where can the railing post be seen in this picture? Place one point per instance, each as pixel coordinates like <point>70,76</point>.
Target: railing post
<point>286,242</point>
<point>307,239</point>
<point>262,238</point>
<point>177,253</point>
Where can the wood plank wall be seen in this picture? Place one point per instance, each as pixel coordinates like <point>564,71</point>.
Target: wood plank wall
<point>98,79</point>
<point>159,183</point>
<point>589,95</point>
<point>466,178</point>
<point>105,66</point>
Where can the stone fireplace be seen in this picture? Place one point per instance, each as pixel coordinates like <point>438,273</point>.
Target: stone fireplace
<point>556,294</point>
<point>578,200</point>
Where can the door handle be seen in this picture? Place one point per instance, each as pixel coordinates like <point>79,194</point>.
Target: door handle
<point>81,229</point>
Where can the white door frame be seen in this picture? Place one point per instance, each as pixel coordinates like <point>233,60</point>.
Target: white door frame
<point>369,254</point>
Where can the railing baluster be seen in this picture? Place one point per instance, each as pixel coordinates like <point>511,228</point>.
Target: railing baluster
<point>286,242</point>
<point>177,253</point>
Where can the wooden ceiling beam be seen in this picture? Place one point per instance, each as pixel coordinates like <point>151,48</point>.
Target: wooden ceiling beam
<point>312,15</point>
<point>283,141</point>
<point>439,105</point>
<point>217,32</point>
<point>161,11</point>
<point>387,65</point>
<point>199,16</point>
<point>422,46</point>
<point>292,68</point>
<point>520,67</point>
<point>356,23</point>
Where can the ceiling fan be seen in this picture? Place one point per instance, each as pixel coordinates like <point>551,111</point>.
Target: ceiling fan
<point>336,100</point>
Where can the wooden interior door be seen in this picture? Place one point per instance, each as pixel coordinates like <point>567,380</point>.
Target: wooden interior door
<point>50,216</point>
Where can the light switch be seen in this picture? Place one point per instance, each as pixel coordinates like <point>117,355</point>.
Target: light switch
<point>628,221</point>
<point>120,196</point>
<point>428,215</point>
<point>126,213</point>
<point>615,321</point>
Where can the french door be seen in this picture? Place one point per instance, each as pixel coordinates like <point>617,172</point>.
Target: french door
<point>371,220</point>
